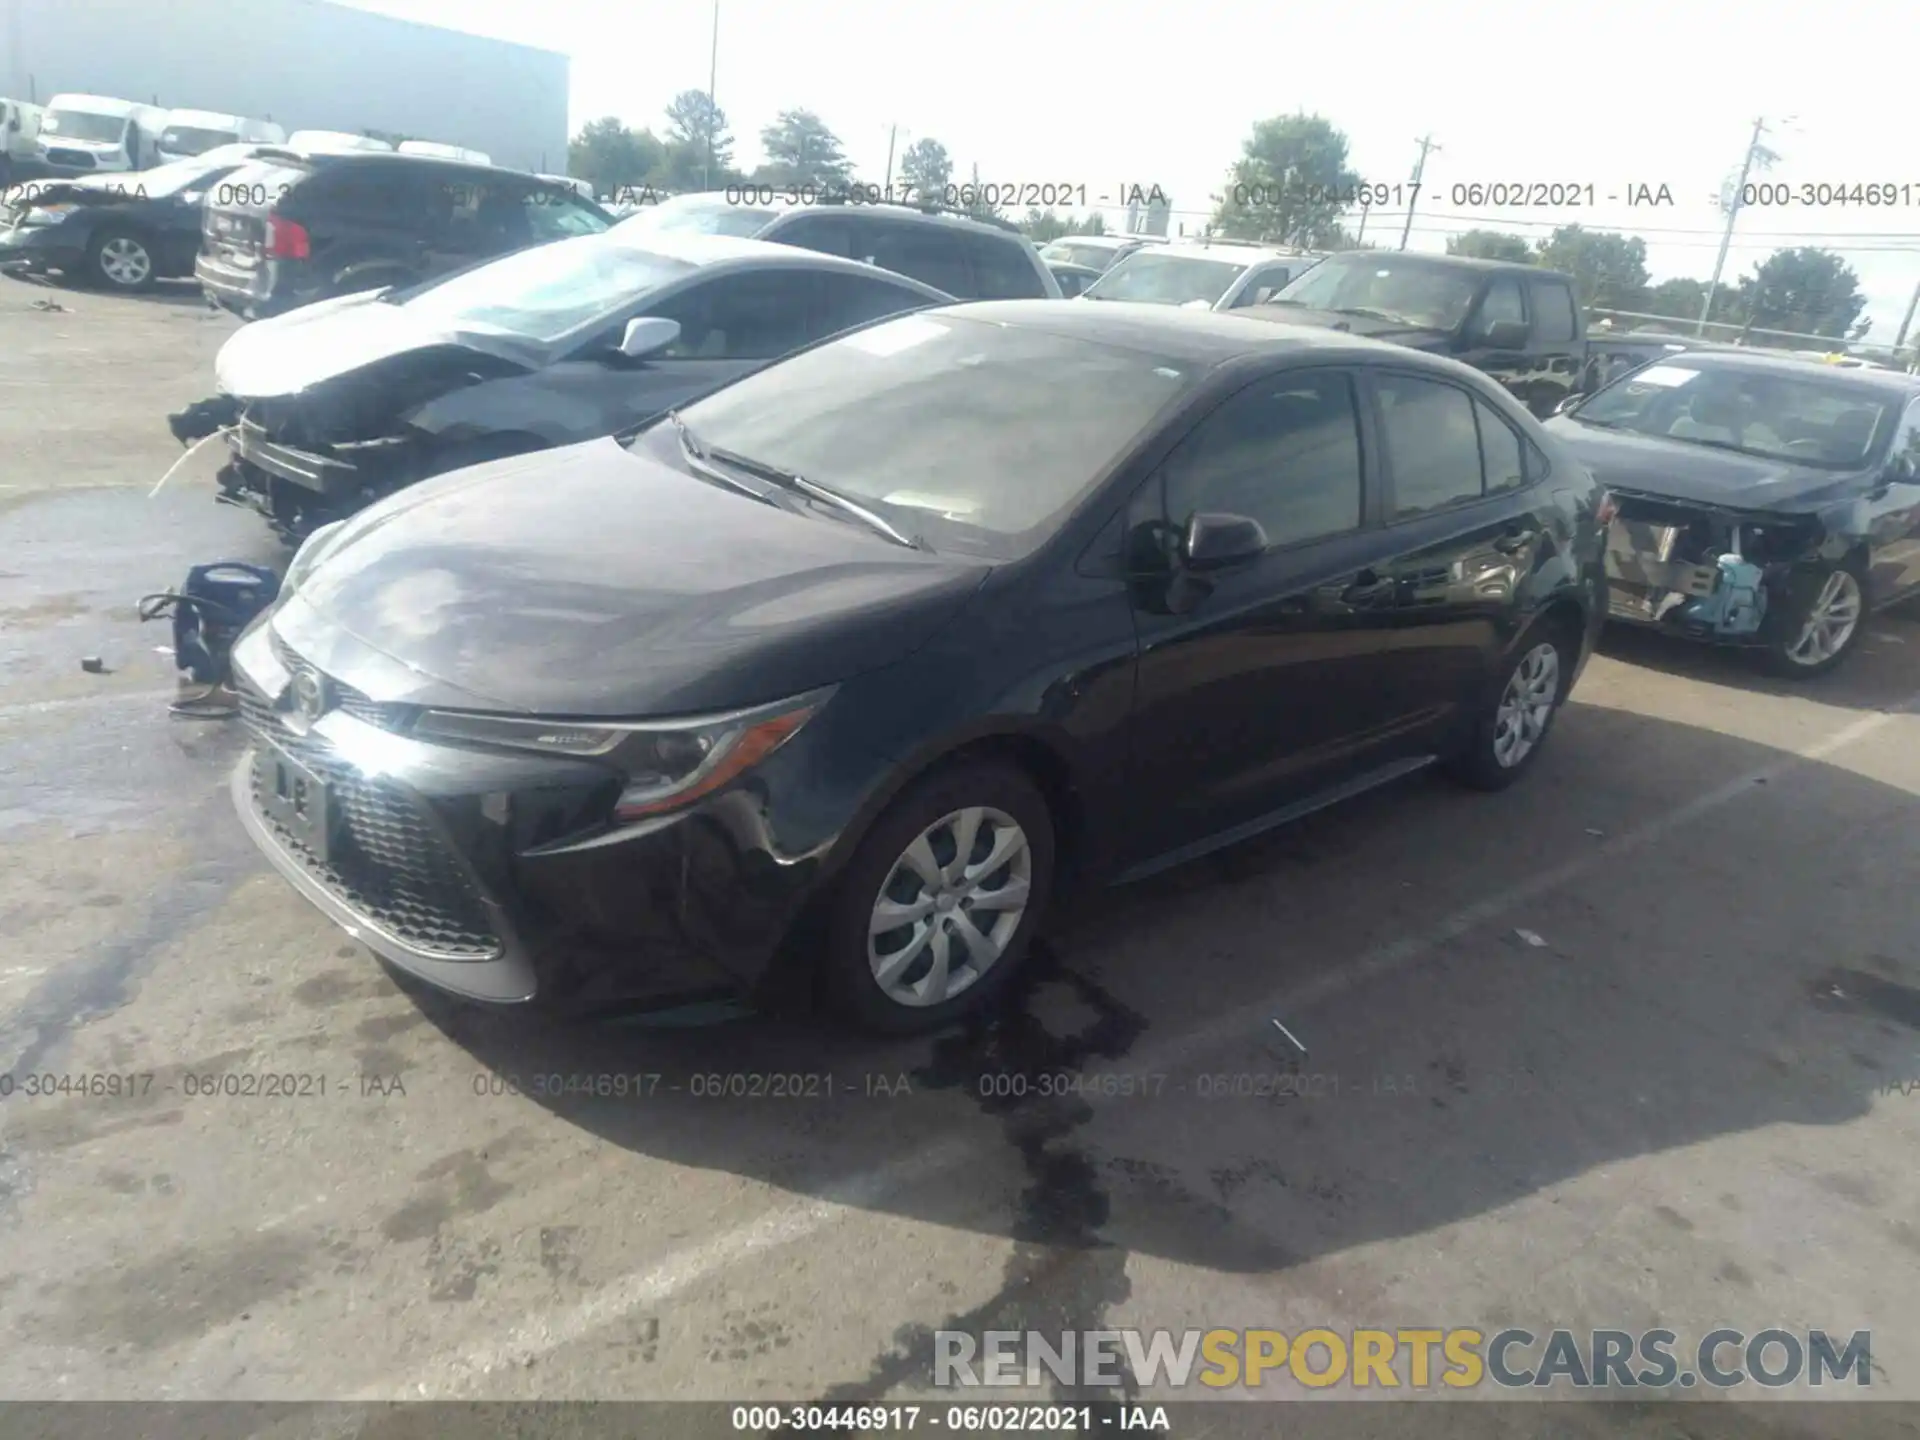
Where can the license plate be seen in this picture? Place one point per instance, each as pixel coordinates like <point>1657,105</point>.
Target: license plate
<point>296,798</point>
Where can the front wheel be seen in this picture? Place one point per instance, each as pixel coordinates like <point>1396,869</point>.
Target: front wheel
<point>120,260</point>
<point>1824,622</point>
<point>1512,727</point>
<point>938,907</point>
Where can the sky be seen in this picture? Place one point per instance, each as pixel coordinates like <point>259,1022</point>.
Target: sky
<point>1144,93</point>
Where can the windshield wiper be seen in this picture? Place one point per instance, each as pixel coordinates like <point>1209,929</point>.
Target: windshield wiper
<point>813,490</point>
<point>696,455</point>
<point>1381,315</point>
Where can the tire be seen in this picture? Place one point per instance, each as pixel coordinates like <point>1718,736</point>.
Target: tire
<point>120,260</point>
<point>1002,800</point>
<point>1835,596</point>
<point>1518,714</point>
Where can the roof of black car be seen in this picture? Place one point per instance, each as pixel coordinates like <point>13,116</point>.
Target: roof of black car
<point>1203,336</point>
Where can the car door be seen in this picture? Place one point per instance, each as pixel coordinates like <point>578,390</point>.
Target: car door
<point>1894,503</point>
<point>1464,525</point>
<point>1502,302</point>
<point>1260,683</point>
<point>730,324</point>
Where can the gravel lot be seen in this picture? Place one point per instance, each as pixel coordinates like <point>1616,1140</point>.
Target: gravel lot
<point>1683,1109</point>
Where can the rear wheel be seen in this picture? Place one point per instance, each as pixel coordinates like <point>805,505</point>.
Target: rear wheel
<point>1513,724</point>
<point>938,907</point>
<point>1825,618</point>
<point>120,260</point>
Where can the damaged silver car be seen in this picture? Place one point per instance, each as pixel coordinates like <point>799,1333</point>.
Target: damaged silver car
<point>340,403</point>
<point>1763,501</point>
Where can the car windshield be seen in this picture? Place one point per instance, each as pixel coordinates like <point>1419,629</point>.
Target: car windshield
<point>1158,278</point>
<point>1419,293</point>
<point>702,215</point>
<point>1096,256</point>
<point>1814,419</point>
<point>191,140</point>
<point>546,292</point>
<point>978,436</point>
<point>85,125</point>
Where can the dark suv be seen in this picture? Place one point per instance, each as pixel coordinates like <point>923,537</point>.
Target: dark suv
<point>968,259</point>
<point>293,228</point>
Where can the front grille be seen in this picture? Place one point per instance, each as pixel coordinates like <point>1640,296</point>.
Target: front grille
<point>345,697</point>
<point>388,863</point>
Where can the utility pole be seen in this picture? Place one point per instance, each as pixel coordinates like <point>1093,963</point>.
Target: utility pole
<point>1419,169</point>
<point>713,77</point>
<point>1754,152</point>
<point>1360,235</point>
<point>893,133</point>
<point>1906,321</point>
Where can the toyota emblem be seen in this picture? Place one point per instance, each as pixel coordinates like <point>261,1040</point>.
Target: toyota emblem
<point>308,699</point>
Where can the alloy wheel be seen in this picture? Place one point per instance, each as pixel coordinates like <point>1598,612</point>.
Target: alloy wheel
<point>125,261</point>
<point>1526,705</point>
<point>950,906</point>
<point>1831,621</point>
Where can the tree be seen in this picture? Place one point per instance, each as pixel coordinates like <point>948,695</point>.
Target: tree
<point>1608,269</point>
<point>801,150</point>
<point>1809,290</point>
<point>1681,299</point>
<point>610,156</point>
<point>1040,226</point>
<point>1491,245</point>
<point>928,168</point>
<point>1289,185</point>
<point>691,119</point>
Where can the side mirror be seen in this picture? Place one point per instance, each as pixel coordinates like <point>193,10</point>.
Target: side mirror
<point>1504,335</point>
<point>648,335</point>
<point>191,197</point>
<point>1215,542</point>
<point>1567,402</point>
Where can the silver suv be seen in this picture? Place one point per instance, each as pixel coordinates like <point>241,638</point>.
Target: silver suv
<point>1206,275</point>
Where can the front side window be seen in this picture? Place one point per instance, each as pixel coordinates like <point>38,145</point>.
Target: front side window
<point>557,214</point>
<point>1503,302</point>
<point>979,437</point>
<point>756,315</point>
<point>1285,451</point>
<point>1555,323</point>
<point>1432,441</point>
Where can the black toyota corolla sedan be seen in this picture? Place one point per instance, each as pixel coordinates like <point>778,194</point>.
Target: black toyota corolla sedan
<point>832,677</point>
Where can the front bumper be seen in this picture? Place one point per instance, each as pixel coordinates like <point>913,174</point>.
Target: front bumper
<point>41,247</point>
<point>494,876</point>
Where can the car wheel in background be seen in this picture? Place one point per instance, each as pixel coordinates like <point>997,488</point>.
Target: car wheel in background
<point>120,260</point>
<point>938,907</point>
<point>1513,724</point>
<point>1825,618</point>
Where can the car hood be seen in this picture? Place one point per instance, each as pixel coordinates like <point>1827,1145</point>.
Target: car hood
<point>316,343</point>
<point>595,580</point>
<point>1417,337</point>
<point>1700,474</point>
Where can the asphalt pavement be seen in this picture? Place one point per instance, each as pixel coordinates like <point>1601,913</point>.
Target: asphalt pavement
<point>1633,1045</point>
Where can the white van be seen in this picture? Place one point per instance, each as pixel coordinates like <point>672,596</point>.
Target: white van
<point>87,134</point>
<point>193,132</point>
<point>19,129</point>
<point>438,151</point>
<point>332,142</point>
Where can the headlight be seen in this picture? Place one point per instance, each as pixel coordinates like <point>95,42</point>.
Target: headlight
<point>47,214</point>
<point>311,552</point>
<point>668,763</point>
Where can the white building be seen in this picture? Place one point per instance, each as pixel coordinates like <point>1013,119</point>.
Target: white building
<point>306,64</point>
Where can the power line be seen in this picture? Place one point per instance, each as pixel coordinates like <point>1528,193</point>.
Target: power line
<point>1419,169</point>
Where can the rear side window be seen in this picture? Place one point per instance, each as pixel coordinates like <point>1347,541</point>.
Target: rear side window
<point>384,195</point>
<point>1554,321</point>
<point>1502,454</point>
<point>1002,269</point>
<point>1432,444</point>
<point>931,254</point>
